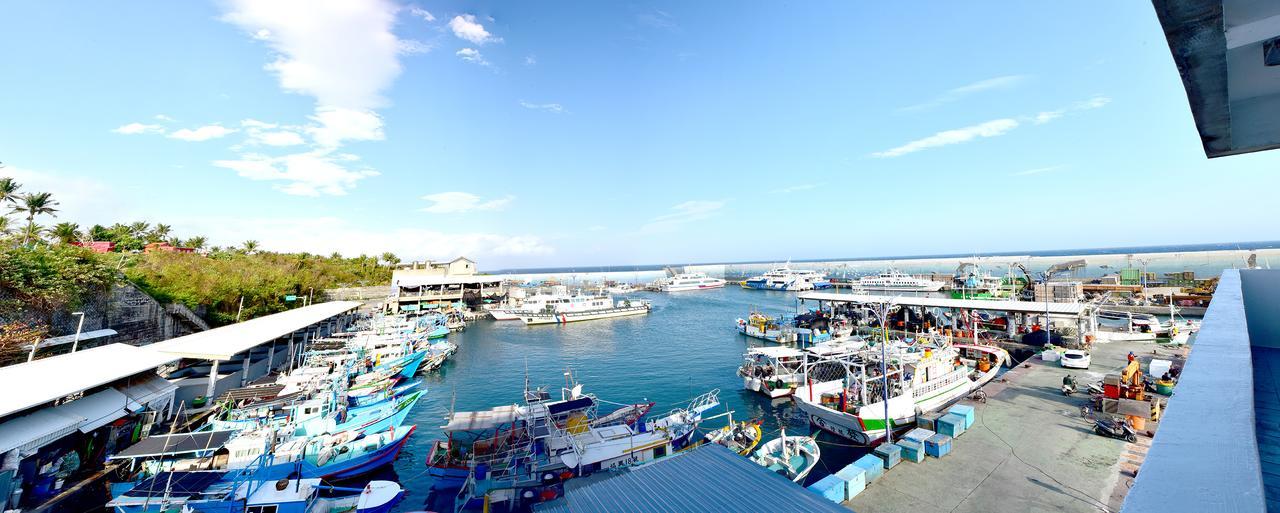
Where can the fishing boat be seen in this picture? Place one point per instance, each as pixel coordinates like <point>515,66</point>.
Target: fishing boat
<point>586,308</point>
<point>788,279</point>
<point>742,437</point>
<point>774,371</point>
<point>228,492</point>
<point>894,280</point>
<point>920,378</point>
<point>690,281</point>
<point>793,457</point>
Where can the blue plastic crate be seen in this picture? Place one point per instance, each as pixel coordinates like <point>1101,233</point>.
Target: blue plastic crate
<point>918,434</point>
<point>938,446</point>
<point>831,487</point>
<point>965,411</point>
<point>911,450</point>
<point>951,425</point>
<point>873,465</point>
<point>928,420</point>
<point>855,479</point>
<point>891,454</point>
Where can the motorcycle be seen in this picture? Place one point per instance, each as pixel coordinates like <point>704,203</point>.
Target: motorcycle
<point>1069,385</point>
<point>1115,428</point>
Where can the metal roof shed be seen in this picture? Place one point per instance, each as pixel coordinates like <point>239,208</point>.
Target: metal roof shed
<point>224,342</point>
<point>31,384</point>
<point>1032,307</point>
<point>709,478</point>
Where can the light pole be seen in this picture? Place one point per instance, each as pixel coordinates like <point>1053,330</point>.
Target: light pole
<point>881,311</point>
<point>79,325</point>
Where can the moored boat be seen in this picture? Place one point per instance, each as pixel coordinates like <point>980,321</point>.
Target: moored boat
<point>790,456</point>
<point>690,281</point>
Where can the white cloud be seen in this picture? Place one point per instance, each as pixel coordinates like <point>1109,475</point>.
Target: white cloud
<point>658,19</point>
<point>336,125</point>
<point>1037,171</point>
<point>311,173</point>
<point>253,123</point>
<point>203,133</point>
<point>342,53</point>
<point>138,128</point>
<point>472,55</point>
<point>530,60</point>
<point>993,128</point>
<point>796,188</point>
<point>414,47</point>
<point>465,27</point>
<point>422,13</point>
<point>554,108</point>
<point>278,138</point>
<point>462,202</point>
<point>162,117</point>
<point>81,199</point>
<point>1047,116</point>
<point>951,95</point>
<point>686,212</point>
<point>1093,103</point>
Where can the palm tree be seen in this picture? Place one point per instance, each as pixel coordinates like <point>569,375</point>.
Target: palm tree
<point>66,233</point>
<point>390,258</point>
<point>6,228</point>
<point>250,246</point>
<point>139,229</point>
<point>99,232</point>
<point>9,190</point>
<point>161,232</point>
<point>34,204</point>
<point>197,243</point>
<point>335,255</point>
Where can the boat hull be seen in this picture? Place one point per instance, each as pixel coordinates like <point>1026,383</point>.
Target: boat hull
<point>568,317</point>
<point>683,288</point>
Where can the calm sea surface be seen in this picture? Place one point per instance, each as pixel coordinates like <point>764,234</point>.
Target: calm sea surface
<point>686,346</point>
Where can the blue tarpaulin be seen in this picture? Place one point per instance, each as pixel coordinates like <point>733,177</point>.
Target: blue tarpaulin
<point>709,478</point>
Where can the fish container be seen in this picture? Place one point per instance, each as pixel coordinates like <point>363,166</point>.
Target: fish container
<point>889,453</point>
<point>855,479</point>
<point>965,411</point>
<point>831,487</point>
<point>918,434</point>
<point>928,420</point>
<point>872,465</point>
<point>951,425</point>
<point>911,450</point>
<point>937,446</point>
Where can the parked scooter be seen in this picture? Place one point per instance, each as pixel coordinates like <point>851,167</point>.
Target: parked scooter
<point>1115,428</point>
<point>1069,385</point>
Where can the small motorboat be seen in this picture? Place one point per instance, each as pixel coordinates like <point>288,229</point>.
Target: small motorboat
<point>742,437</point>
<point>793,457</point>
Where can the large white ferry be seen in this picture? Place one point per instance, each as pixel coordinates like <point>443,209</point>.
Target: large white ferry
<point>690,281</point>
<point>786,278</point>
<point>921,379</point>
<point>519,303</point>
<point>583,307</point>
<point>897,281</point>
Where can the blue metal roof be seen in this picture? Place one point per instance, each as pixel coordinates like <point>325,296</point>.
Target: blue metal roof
<point>709,478</point>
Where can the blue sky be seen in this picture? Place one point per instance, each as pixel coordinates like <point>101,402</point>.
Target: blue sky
<point>528,134</point>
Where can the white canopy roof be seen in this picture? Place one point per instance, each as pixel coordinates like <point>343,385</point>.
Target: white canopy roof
<point>99,408</point>
<point>47,379</point>
<point>479,420</point>
<point>1032,307</point>
<point>776,351</point>
<point>225,342</point>
<point>31,432</point>
<point>473,279</point>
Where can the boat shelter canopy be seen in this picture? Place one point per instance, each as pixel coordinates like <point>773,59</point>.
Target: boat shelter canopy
<point>709,478</point>
<point>227,341</point>
<point>434,281</point>
<point>478,420</point>
<point>1030,307</point>
<point>48,379</point>
<point>776,351</point>
<point>100,408</point>
<point>171,445</point>
<point>67,339</point>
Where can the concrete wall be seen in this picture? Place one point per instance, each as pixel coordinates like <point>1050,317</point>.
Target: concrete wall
<point>1261,289</point>
<point>1205,456</point>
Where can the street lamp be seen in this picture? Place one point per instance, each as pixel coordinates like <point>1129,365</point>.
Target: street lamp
<point>881,311</point>
<point>79,325</point>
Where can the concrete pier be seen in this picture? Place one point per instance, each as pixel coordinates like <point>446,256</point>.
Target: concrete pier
<point>1028,450</point>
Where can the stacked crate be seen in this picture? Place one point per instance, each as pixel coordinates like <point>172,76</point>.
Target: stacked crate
<point>890,454</point>
<point>911,450</point>
<point>937,445</point>
<point>855,479</point>
<point>951,425</point>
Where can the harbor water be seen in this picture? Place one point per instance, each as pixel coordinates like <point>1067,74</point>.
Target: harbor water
<point>686,346</point>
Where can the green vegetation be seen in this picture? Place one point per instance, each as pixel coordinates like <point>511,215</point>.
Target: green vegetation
<point>43,271</point>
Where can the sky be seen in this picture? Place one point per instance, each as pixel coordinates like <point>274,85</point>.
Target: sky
<point>532,134</point>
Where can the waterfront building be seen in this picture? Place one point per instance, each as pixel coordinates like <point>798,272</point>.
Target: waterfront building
<point>419,286</point>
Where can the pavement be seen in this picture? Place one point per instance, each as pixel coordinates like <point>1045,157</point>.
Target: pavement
<point>1028,450</point>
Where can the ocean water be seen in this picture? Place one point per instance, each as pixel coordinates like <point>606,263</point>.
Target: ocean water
<point>686,346</point>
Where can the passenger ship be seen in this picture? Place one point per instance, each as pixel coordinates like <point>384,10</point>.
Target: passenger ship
<point>584,307</point>
<point>921,379</point>
<point>786,278</point>
<point>690,281</point>
<point>897,281</point>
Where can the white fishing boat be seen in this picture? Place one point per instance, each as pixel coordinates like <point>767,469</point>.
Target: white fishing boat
<point>920,379</point>
<point>793,457</point>
<point>786,278</point>
<point>520,304</point>
<point>621,288</point>
<point>774,371</point>
<point>690,281</point>
<point>894,280</point>
<point>585,308</point>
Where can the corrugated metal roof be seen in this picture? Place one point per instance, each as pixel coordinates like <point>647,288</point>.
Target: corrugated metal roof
<point>223,343</point>
<point>419,281</point>
<point>47,379</point>
<point>709,478</point>
<point>971,304</point>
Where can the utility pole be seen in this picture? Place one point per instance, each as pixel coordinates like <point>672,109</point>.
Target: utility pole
<point>881,310</point>
<point>241,309</point>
